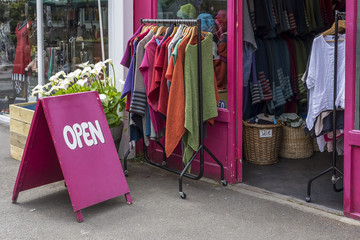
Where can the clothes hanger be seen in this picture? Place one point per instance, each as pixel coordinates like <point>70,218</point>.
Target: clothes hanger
<point>144,28</point>
<point>154,28</point>
<point>331,31</point>
<point>188,32</point>
<point>174,31</point>
<point>161,30</point>
<point>193,33</point>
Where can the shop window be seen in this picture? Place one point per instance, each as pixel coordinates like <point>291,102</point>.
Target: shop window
<point>72,35</point>
<point>17,33</point>
<point>214,19</point>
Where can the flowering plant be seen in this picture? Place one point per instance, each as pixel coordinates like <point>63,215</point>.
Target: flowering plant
<point>89,78</point>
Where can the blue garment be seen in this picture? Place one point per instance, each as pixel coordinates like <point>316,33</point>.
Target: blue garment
<point>148,124</point>
<point>129,81</point>
<point>168,34</point>
<point>247,60</point>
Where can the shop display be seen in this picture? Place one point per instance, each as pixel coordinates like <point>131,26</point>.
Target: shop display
<point>188,107</point>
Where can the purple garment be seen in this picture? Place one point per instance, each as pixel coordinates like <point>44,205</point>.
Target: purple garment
<point>129,81</point>
<point>127,56</point>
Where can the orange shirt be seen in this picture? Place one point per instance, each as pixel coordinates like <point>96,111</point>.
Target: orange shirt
<point>175,120</point>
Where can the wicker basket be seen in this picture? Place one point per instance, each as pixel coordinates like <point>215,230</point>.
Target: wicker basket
<point>261,143</point>
<point>295,144</point>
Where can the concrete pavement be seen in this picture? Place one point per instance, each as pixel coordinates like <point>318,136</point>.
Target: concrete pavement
<point>210,211</point>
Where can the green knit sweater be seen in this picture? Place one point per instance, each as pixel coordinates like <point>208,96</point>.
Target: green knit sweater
<point>191,136</point>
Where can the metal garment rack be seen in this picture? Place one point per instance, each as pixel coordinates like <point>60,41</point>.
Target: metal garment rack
<point>333,168</point>
<point>202,147</point>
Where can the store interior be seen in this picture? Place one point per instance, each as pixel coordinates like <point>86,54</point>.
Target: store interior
<point>294,102</point>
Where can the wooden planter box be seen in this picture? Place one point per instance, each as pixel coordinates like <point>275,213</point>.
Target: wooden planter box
<point>20,120</point>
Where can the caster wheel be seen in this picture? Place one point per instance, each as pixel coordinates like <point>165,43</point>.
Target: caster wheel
<point>126,173</point>
<point>182,195</point>
<point>164,163</point>
<point>308,199</point>
<point>224,183</point>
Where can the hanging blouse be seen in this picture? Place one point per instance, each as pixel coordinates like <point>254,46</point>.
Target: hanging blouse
<point>319,78</point>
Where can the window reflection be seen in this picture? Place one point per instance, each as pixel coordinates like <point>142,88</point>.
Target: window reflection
<point>214,19</point>
<point>71,36</point>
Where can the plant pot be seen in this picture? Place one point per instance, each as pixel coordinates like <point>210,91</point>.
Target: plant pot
<point>116,133</point>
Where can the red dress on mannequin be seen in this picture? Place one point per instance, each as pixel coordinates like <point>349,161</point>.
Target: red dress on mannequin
<point>22,55</point>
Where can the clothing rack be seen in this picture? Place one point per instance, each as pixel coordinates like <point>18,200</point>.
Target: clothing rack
<point>202,147</point>
<point>332,168</point>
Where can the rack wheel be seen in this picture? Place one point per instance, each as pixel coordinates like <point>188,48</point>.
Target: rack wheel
<point>182,195</point>
<point>224,183</point>
<point>164,163</point>
<point>308,199</point>
<point>126,173</point>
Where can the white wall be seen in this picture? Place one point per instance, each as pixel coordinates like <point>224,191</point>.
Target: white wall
<point>121,15</point>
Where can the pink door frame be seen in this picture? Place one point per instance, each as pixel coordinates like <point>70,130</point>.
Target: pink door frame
<point>148,9</point>
<point>352,137</point>
<point>231,116</point>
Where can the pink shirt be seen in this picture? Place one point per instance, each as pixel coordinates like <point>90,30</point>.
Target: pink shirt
<point>146,68</point>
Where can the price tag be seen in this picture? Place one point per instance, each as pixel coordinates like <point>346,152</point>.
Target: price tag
<point>265,133</point>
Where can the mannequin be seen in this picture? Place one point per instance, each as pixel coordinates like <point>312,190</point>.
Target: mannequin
<point>22,56</point>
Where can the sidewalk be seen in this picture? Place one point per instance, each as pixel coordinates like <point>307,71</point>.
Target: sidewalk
<point>210,210</point>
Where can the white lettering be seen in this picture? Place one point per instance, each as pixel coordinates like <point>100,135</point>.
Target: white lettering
<point>96,132</point>
<point>68,129</point>
<point>86,135</point>
<point>87,131</point>
<point>78,133</point>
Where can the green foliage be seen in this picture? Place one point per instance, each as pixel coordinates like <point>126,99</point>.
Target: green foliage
<point>91,78</point>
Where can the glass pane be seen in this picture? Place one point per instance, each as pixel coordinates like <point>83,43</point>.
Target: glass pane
<point>72,34</point>
<point>214,19</point>
<point>16,40</point>
<point>357,93</point>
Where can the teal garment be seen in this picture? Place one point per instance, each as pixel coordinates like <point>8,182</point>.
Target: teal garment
<point>175,51</point>
<point>50,63</point>
<point>191,136</point>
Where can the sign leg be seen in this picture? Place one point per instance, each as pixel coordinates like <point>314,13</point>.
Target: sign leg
<point>128,198</point>
<point>14,197</point>
<point>79,216</point>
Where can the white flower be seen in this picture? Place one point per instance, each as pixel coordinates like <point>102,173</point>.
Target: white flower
<point>102,97</point>
<point>53,88</point>
<point>96,70</point>
<point>84,65</point>
<point>65,84</point>
<point>100,65</point>
<point>108,61</point>
<point>37,90</point>
<point>53,78</point>
<point>81,82</point>
<point>77,72</point>
<point>71,76</point>
<point>61,73</point>
<point>85,71</point>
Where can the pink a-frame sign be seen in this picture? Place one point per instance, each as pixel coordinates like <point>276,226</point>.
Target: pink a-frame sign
<point>70,139</point>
